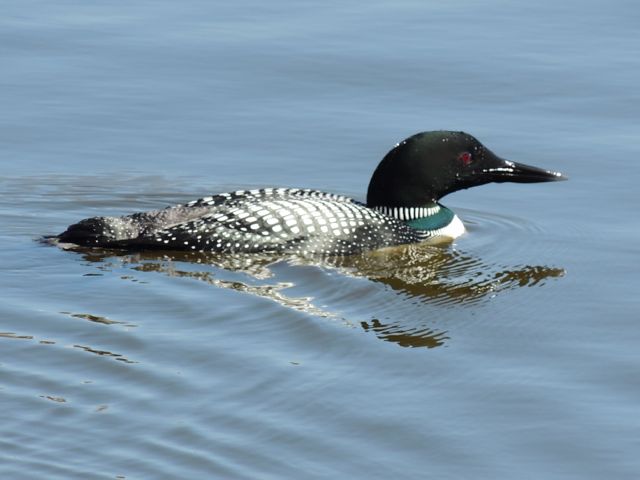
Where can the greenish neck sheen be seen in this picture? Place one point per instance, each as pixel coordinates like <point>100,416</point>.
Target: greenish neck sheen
<point>433,222</point>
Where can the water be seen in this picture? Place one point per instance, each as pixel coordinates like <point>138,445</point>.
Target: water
<point>510,354</point>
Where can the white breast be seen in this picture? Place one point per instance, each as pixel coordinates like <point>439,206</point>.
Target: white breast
<point>448,233</point>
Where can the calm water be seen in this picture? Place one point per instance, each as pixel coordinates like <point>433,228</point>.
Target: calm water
<point>512,353</point>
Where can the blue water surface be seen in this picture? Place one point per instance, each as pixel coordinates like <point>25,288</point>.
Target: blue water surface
<point>510,354</point>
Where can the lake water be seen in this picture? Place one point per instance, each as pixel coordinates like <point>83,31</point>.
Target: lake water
<point>511,354</point>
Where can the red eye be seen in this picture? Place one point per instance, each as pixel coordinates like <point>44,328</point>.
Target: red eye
<point>465,158</point>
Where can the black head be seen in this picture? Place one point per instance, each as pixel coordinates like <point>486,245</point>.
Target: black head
<point>429,165</point>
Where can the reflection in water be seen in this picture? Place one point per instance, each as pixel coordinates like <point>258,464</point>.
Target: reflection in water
<point>405,337</point>
<point>272,292</point>
<point>429,275</point>
<point>15,335</point>
<point>97,319</point>
<point>54,399</point>
<point>440,276</point>
<point>85,348</point>
<point>106,353</point>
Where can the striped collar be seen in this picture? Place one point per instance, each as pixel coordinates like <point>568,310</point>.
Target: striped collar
<point>409,213</point>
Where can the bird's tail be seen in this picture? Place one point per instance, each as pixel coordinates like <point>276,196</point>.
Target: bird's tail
<point>100,231</point>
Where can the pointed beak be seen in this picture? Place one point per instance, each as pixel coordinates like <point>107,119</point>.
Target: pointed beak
<point>510,171</point>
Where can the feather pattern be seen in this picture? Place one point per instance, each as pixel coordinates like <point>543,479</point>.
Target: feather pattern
<point>288,220</point>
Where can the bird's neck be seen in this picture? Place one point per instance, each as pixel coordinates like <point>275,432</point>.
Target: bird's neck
<point>430,217</point>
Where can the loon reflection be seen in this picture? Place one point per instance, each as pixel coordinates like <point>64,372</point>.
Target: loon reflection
<point>426,274</point>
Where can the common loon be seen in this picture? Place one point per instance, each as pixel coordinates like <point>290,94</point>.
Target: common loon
<point>402,207</point>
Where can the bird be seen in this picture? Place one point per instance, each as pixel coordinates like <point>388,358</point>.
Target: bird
<point>402,207</point>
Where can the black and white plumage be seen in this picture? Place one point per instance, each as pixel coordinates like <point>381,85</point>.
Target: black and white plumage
<point>290,220</point>
<point>402,207</point>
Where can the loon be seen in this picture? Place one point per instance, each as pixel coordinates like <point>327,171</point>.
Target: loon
<point>402,207</point>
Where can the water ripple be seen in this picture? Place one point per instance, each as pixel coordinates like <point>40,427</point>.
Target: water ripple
<point>346,288</point>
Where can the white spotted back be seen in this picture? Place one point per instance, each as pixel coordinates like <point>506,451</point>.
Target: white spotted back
<point>285,220</point>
